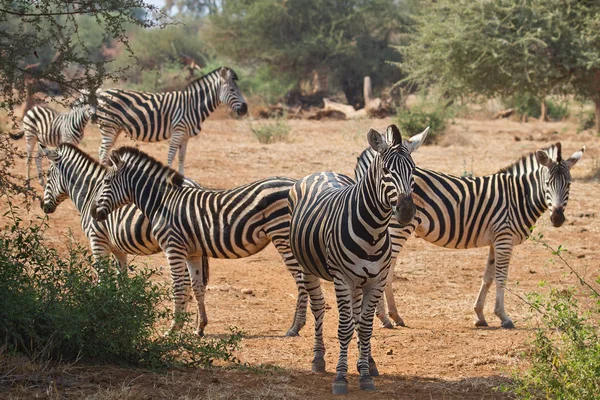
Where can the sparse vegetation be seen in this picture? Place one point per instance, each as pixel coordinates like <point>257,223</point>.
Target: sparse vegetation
<point>565,354</point>
<point>271,132</point>
<point>433,113</point>
<point>63,309</point>
<point>586,120</point>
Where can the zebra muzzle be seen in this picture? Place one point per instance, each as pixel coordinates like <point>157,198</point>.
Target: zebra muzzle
<point>98,215</point>
<point>557,217</point>
<point>405,211</point>
<point>242,109</point>
<point>47,208</point>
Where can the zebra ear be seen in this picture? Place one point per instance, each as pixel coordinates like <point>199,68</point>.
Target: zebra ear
<point>377,141</point>
<point>224,73</point>
<point>574,158</point>
<point>114,160</point>
<point>416,141</point>
<point>543,158</point>
<point>51,155</point>
<point>393,135</point>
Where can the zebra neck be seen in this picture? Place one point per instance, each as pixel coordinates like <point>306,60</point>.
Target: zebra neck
<point>204,96</point>
<point>372,210</point>
<point>81,178</point>
<point>147,192</point>
<point>529,193</point>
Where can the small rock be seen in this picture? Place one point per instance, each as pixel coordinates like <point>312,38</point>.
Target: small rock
<point>532,271</point>
<point>581,256</point>
<point>390,352</point>
<point>246,291</point>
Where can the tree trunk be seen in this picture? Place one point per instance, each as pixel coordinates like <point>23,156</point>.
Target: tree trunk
<point>543,116</point>
<point>597,120</point>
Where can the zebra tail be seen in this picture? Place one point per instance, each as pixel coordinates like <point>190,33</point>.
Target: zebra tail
<point>16,136</point>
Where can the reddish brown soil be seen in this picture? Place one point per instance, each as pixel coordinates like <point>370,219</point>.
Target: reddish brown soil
<point>440,355</point>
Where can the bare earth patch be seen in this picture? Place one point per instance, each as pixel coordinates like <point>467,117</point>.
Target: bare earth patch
<point>440,355</point>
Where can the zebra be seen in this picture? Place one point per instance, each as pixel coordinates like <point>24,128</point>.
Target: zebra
<point>189,223</point>
<point>339,232</point>
<point>497,210</point>
<point>153,117</point>
<point>49,127</point>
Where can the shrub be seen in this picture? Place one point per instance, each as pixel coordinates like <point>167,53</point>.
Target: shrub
<point>433,114</point>
<point>557,110</point>
<point>587,120</point>
<point>527,105</point>
<point>565,354</point>
<point>270,132</point>
<point>61,308</point>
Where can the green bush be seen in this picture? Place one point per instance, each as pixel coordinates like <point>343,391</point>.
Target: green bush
<point>565,354</point>
<point>64,309</point>
<point>527,105</point>
<point>557,110</point>
<point>270,132</point>
<point>433,114</point>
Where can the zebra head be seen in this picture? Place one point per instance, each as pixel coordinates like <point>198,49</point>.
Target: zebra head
<point>557,181</point>
<point>55,191</point>
<point>87,102</point>
<point>230,93</point>
<point>395,170</point>
<point>112,194</point>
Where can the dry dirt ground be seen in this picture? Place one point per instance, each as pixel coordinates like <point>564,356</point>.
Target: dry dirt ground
<point>439,355</point>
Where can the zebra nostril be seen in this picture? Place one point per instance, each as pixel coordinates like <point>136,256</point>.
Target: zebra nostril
<point>243,109</point>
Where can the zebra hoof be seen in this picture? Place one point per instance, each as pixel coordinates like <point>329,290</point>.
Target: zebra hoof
<point>481,322</point>
<point>318,364</point>
<point>366,383</point>
<point>387,324</point>
<point>399,321</point>
<point>291,333</point>
<point>200,332</point>
<point>508,324</point>
<point>340,385</point>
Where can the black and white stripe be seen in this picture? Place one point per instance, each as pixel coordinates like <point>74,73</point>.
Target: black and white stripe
<point>50,128</point>
<point>153,117</point>
<point>339,232</point>
<point>74,174</point>
<point>189,223</point>
<point>496,210</point>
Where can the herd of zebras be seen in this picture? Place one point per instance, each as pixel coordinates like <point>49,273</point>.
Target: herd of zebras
<point>325,226</point>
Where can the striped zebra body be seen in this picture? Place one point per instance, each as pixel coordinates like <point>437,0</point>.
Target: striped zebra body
<point>339,232</point>
<point>496,210</point>
<point>51,128</point>
<point>189,223</point>
<point>153,117</point>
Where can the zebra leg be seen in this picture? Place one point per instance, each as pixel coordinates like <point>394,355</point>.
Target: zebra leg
<point>357,299</point>
<point>177,264</point>
<point>488,278</point>
<point>317,305</point>
<point>109,137</point>
<point>30,142</point>
<point>198,269</point>
<point>174,144</point>
<point>503,255</point>
<point>399,236</point>
<point>372,293</point>
<point>182,151</point>
<point>343,294</point>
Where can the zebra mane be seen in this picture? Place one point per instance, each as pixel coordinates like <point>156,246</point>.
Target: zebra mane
<point>212,73</point>
<point>528,163</point>
<point>71,147</point>
<point>143,158</point>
